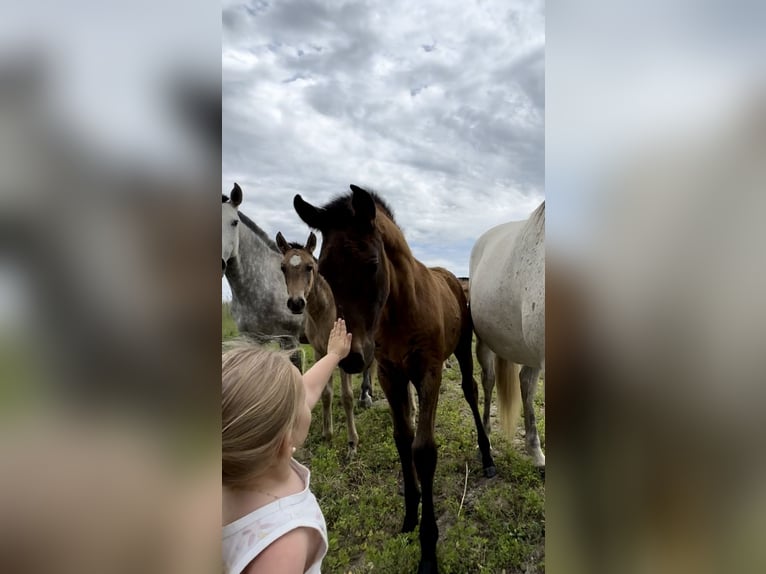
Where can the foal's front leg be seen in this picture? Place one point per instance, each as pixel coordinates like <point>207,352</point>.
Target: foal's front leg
<point>347,397</point>
<point>394,385</point>
<point>327,392</point>
<point>424,456</point>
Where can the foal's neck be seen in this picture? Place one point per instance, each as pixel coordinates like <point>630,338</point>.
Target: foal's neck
<point>402,265</point>
<point>320,304</point>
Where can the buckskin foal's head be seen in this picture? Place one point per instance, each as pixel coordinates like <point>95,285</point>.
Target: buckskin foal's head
<point>299,268</point>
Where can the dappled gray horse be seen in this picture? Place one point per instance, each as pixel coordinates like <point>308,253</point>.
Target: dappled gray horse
<point>251,263</point>
<point>507,288</point>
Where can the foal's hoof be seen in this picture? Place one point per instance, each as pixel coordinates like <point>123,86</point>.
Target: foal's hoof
<point>351,453</point>
<point>365,401</point>
<point>427,567</point>
<point>490,471</point>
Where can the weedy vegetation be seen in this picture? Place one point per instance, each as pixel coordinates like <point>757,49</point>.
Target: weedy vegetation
<point>492,525</point>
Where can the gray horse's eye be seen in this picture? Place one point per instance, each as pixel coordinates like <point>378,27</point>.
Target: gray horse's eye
<point>235,223</point>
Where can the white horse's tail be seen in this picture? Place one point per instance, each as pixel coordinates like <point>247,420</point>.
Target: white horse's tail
<point>508,395</point>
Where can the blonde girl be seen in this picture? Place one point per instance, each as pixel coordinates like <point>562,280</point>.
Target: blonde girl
<point>271,520</point>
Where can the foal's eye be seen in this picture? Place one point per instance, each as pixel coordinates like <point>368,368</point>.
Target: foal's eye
<point>309,268</point>
<point>235,223</point>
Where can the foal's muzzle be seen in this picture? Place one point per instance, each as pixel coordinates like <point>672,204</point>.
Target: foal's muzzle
<point>353,363</point>
<point>296,305</point>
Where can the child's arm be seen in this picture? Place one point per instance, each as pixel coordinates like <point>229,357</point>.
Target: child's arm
<point>291,553</point>
<point>338,346</point>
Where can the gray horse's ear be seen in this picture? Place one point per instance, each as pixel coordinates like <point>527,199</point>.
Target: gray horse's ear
<point>310,215</point>
<point>236,195</point>
<point>281,243</point>
<point>311,242</point>
<point>363,204</point>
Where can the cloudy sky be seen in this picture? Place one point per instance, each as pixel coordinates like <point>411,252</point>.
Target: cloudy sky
<point>437,105</point>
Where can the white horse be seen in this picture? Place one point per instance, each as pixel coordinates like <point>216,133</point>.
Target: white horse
<point>251,263</point>
<point>507,289</point>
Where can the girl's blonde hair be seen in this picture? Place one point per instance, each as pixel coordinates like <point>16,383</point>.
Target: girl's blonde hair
<point>262,392</point>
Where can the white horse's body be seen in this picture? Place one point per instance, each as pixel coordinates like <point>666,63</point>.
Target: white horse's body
<point>507,294</point>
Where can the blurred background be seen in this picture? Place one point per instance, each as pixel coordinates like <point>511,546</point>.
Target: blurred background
<point>655,180</point>
<point>109,166</point>
<point>110,152</point>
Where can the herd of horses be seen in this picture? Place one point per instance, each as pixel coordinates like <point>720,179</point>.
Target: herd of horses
<point>406,318</point>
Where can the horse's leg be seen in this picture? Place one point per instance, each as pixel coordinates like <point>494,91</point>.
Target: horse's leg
<point>471,394</point>
<point>529,378</point>
<point>487,362</point>
<point>365,399</point>
<point>347,398</point>
<point>296,358</point>
<point>394,384</point>
<point>326,403</point>
<point>424,455</point>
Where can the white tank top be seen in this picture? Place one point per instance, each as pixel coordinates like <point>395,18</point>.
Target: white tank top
<point>248,536</point>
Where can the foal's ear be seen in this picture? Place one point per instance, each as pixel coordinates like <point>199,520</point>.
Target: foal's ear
<point>281,243</point>
<point>310,215</point>
<point>363,204</point>
<point>236,195</point>
<point>311,243</point>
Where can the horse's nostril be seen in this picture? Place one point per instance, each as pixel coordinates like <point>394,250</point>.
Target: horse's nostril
<point>296,305</point>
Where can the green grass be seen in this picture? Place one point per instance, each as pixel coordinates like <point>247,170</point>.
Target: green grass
<point>500,527</point>
<point>228,326</point>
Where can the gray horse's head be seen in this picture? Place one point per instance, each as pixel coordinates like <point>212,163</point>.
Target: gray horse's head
<point>230,226</point>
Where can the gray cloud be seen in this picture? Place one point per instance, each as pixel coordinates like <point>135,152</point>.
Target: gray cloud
<point>439,106</point>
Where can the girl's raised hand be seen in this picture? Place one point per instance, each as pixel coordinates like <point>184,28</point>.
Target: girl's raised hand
<point>339,342</point>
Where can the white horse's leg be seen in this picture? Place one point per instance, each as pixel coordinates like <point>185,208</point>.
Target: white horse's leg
<point>486,360</point>
<point>347,398</point>
<point>529,378</point>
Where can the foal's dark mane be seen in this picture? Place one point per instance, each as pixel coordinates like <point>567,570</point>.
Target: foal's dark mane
<point>339,210</point>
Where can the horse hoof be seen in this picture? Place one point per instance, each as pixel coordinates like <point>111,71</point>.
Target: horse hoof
<point>427,567</point>
<point>365,402</point>
<point>351,451</point>
<point>490,471</point>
